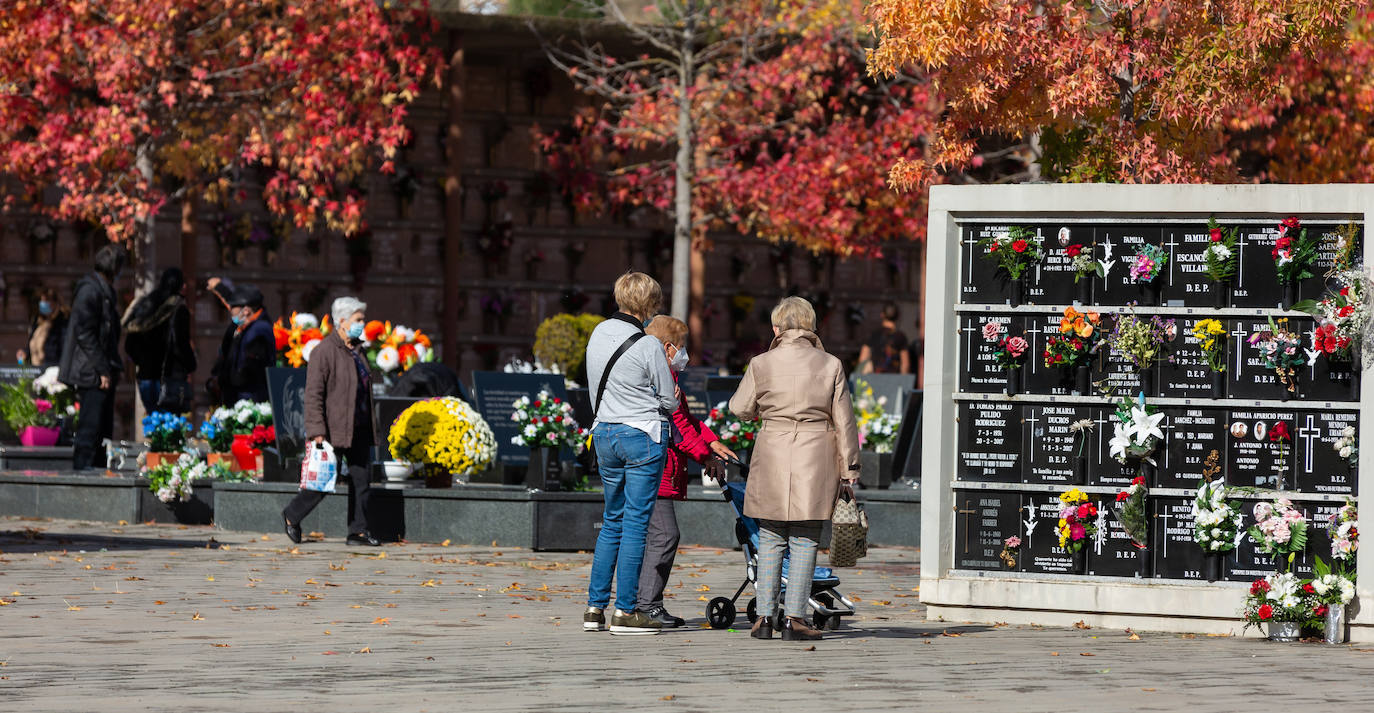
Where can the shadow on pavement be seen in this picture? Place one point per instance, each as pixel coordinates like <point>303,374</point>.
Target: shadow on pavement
<point>27,541</point>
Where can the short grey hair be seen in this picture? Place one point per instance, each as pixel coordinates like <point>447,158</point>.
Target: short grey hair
<point>344,307</point>
<point>794,313</point>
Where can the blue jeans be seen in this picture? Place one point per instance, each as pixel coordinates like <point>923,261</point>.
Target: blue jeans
<point>631,469</point>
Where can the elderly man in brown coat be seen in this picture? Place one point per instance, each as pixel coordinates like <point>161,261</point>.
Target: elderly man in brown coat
<point>807,445</point>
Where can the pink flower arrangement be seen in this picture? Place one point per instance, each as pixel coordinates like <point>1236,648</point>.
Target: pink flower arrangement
<point>992,330</point>
<point>1013,542</point>
<point>43,405</point>
<point>1017,346</point>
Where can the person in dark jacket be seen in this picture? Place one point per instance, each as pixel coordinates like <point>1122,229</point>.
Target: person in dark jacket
<point>338,409</point>
<point>158,329</point>
<point>90,361</point>
<point>247,349</point>
<point>47,331</point>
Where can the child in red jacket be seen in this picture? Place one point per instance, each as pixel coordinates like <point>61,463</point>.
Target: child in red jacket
<point>691,439</point>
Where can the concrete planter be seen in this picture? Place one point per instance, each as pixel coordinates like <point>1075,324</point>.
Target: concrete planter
<point>875,469</point>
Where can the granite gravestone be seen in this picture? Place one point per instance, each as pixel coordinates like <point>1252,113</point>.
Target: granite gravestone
<point>1193,434</point>
<point>1121,376</point>
<point>1255,457</point>
<point>286,393</point>
<point>1256,282</point>
<point>1051,281</point>
<point>11,374</point>
<point>1176,554</point>
<point>1040,548</point>
<point>1036,377</point>
<point>1252,379</point>
<point>496,396</point>
<point>389,408</point>
<point>1319,467</point>
<point>1249,562</point>
<point>1050,445</point>
<point>981,371</point>
<point>1319,534</point>
<point>1330,236</point>
<point>1186,271</point>
<point>1113,553</point>
<point>983,520</point>
<point>906,455</point>
<point>719,389</point>
<point>989,442</point>
<point>1327,377</point>
<point>1103,469</point>
<point>1188,375</point>
<point>889,388</point>
<point>1125,241</point>
<point>983,281</point>
<point>692,381</point>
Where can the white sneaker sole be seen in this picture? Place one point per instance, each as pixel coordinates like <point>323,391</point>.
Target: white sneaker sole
<point>592,626</point>
<point>632,631</point>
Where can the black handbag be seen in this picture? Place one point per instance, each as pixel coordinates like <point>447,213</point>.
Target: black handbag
<point>173,395</point>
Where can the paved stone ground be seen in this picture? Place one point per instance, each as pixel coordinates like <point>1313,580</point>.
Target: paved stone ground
<point>154,618</point>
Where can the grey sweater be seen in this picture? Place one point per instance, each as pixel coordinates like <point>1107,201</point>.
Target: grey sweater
<point>640,387</point>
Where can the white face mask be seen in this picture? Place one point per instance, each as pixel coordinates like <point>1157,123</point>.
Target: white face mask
<point>679,360</point>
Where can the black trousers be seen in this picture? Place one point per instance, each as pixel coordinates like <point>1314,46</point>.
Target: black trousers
<point>93,426</point>
<point>358,461</point>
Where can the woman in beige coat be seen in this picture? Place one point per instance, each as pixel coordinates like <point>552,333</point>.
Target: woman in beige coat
<point>807,445</point>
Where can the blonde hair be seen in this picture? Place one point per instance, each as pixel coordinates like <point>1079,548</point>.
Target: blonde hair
<point>669,330</point>
<point>638,294</point>
<point>794,313</point>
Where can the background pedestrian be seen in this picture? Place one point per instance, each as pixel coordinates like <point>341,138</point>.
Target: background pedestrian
<point>158,340</point>
<point>47,330</point>
<point>90,356</point>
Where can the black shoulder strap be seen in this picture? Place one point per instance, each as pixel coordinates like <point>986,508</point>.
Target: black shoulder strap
<point>606,373</point>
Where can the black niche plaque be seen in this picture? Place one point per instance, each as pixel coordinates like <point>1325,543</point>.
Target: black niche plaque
<point>1113,553</point>
<point>990,442</point>
<point>1123,242</point>
<point>1256,281</point>
<point>1122,376</point>
<point>1050,446</point>
<point>1193,434</point>
<point>983,520</point>
<point>1329,233</point>
<point>980,370</point>
<point>1319,535</point>
<point>1319,467</point>
<point>983,281</point>
<point>1326,378</point>
<point>1038,378</point>
<point>1103,469</point>
<point>1250,378</point>
<point>1188,374</point>
<point>1050,282</point>
<point>1255,459</point>
<point>1177,555</point>
<point>1187,269</point>
<point>1248,562</point>
<point>1040,543</point>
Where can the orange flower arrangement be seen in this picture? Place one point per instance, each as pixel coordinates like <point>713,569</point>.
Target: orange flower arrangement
<point>295,337</point>
<point>1082,324</point>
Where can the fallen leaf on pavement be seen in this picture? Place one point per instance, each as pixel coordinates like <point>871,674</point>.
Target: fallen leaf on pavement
<point>428,583</point>
<point>329,653</point>
<point>383,620</point>
<point>365,650</point>
<point>444,543</point>
<point>220,646</point>
<point>810,648</point>
<point>1054,653</point>
<point>1081,625</point>
<point>1086,654</point>
<point>197,617</point>
<point>668,698</point>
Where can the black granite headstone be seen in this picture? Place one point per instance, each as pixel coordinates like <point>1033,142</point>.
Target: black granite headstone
<point>1050,282</point>
<point>1176,553</point>
<point>906,454</point>
<point>692,381</point>
<point>1249,562</point>
<point>1103,469</point>
<point>1326,379</point>
<point>1319,467</point>
<point>1040,545</point>
<point>1125,241</point>
<point>1050,448</point>
<point>983,281</point>
<point>980,371</point>
<point>1038,378</point>
<point>990,442</point>
<point>1121,375</point>
<point>1250,378</point>
<point>1188,375</point>
<point>1114,553</point>
<point>1256,282</point>
<point>1193,434</point>
<point>15,373</point>
<point>1313,287</point>
<point>983,520</point>
<point>496,396</point>
<point>286,393</point>
<point>1187,269</point>
<point>388,410</point>
<point>1254,459</point>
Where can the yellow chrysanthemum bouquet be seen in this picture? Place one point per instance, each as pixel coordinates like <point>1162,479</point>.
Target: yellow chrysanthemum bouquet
<point>1211,335</point>
<point>444,432</point>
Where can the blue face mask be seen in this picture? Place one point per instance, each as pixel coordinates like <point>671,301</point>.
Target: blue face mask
<point>355,331</point>
<point>44,307</point>
<point>237,320</point>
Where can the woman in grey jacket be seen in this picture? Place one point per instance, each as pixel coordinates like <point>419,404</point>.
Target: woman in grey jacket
<point>630,434</point>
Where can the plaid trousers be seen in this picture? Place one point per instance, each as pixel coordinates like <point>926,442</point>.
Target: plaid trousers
<point>776,541</point>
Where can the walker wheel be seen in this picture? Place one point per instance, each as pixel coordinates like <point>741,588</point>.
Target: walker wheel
<point>752,611</point>
<point>720,613</point>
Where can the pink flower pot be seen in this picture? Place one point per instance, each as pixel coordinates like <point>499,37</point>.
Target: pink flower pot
<point>39,436</point>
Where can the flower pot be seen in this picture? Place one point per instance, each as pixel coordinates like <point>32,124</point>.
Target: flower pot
<point>1144,563</point>
<point>397,471</point>
<point>1154,293</point>
<point>1335,624</point>
<point>246,457</point>
<point>1218,384</point>
<point>1080,560</point>
<point>1013,381</point>
<point>153,459</point>
<point>1290,296</point>
<point>1080,468</point>
<point>1147,381</point>
<point>216,458</point>
<point>545,472</point>
<point>1283,630</point>
<point>875,469</point>
<point>1211,566</point>
<point>40,436</point>
<point>1221,294</point>
<point>1082,380</point>
<point>1014,289</point>
<point>1085,291</point>
<point>1355,368</point>
<point>437,477</point>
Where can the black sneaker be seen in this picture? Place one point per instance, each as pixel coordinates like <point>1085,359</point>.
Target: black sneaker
<point>363,539</point>
<point>633,624</point>
<point>594,620</point>
<point>661,615</point>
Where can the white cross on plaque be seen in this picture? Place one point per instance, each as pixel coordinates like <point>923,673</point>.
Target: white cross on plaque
<point>1240,259</point>
<point>1032,420</point>
<point>1239,333</point>
<point>1172,262</point>
<point>1164,515</point>
<point>1309,433</point>
<point>968,365</point>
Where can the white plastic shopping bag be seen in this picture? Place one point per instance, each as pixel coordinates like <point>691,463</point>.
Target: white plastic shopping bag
<point>319,468</point>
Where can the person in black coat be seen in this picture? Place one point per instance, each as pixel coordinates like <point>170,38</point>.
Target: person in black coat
<point>90,362</point>
<point>158,328</point>
<point>47,331</point>
<point>247,349</point>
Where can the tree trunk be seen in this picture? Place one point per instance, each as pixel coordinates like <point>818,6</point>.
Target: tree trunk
<point>682,188</point>
<point>695,324</point>
<point>189,259</point>
<point>453,207</point>
<point>144,259</point>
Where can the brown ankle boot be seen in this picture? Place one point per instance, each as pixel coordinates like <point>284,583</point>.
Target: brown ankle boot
<point>797,629</point>
<point>763,628</point>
